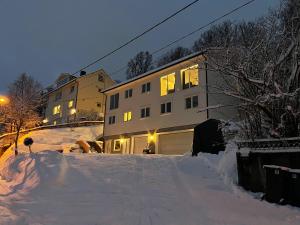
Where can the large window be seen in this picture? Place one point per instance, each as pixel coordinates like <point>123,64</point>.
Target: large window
<point>128,93</point>
<point>127,116</point>
<point>167,84</point>
<point>191,102</point>
<point>114,101</point>
<point>146,87</point>
<point>145,112</point>
<point>112,120</point>
<point>56,109</point>
<point>166,108</point>
<point>190,77</point>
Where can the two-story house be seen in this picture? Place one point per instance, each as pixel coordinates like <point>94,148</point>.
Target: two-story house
<point>161,107</point>
<point>77,98</point>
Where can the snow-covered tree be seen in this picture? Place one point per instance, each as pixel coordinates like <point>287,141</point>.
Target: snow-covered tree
<point>25,97</point>
<point>264,61</point>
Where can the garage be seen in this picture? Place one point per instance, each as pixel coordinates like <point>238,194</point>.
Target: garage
<point>175,143</point>
<point>139,144</point>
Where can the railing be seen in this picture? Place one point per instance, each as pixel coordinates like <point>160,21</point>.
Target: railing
<point>270,145</point>
<point>63,125</point>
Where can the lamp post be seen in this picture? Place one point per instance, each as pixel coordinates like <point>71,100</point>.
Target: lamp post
<point>3,100</point>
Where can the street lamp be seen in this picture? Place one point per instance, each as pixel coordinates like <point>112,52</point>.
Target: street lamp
<point>4,100</point>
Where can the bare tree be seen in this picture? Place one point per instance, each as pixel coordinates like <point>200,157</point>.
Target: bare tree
<point>173,55</point>
<point>25,99</point>
<point>140,64</point>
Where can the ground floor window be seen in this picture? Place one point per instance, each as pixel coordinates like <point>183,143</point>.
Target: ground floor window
<point>117,145</point>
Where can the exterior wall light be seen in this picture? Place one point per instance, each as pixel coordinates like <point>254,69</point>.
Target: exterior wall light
<point>45,120</point>
<point>72,111</point>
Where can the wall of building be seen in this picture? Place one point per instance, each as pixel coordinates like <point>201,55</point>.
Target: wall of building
<point>67,96</point>
<point>89,97</point>
<point>180,116</point>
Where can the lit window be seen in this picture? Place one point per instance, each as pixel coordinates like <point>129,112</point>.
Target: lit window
<point>70,104</point>
<point>146,87</point>
<point>145,112</point>
<point>191,102</point>
<point>127,116</point>
<point>165,108</point>
<point>189,77</point>
<point>167,84</point>
<point>56,110</point>
<point>54,122</point>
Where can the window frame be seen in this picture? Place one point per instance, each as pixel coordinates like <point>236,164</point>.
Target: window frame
<point>111,120</point>
<point>128,93</point>
<point>146,87</point>
<point>145,112</point>
<point>57,110</point>
<point>164,108</point>
<point>120,144</point>
<point>127,116</point>
<point>188,85</point>
<point>168,91</point>
<point>192,102</point>
<point>114,101</point>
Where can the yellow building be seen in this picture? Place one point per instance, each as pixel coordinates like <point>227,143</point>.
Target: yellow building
<point>74,98</point>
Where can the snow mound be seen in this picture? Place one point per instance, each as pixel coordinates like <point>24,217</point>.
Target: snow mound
<point>60,138</point>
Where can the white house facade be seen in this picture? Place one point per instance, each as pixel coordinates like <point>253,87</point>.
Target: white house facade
<point>160,108</point>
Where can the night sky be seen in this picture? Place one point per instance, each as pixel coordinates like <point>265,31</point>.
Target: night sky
<point>47,37</point>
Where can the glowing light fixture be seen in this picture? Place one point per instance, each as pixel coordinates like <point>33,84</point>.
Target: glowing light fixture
<point>4,100</point>
<point>122,140</point>
<point>151,137</point>
<point>72,111</point>
<point>45,120</point>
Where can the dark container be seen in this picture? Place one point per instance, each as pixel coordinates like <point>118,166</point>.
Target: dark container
<point>293,194</point>
<point>208,137</point>
<point>276,184</point>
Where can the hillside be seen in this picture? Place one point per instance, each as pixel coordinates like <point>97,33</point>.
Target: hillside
<point>53,188</point>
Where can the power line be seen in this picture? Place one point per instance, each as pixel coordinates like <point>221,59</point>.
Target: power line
<point>138,36</point>
<point>193,32</point>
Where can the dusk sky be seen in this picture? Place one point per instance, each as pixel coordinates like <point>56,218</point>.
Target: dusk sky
<point>46,38</point>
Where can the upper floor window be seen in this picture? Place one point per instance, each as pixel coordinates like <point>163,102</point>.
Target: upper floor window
<point>145,112</point>
<point>58,96</point>
<point>56,109</point>
<point>72,89</point>
<point>166,108</point>
<point>127,116</point>
<point>191,102</point>
<point>100,78</point>
<point>190,77</point>
<point>114,101</point>
<point>71,104</point>
<point>128,93</point>
<point>146,87</point>
<point>112,120</point>
<point>167,84</point>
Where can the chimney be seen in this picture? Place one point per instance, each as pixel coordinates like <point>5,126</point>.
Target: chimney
<point>82,73</point>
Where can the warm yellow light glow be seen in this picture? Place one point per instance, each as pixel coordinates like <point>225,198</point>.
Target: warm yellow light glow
<point>45,120</point>
<point>72,111</point>
<point>122,140</point>
<point>127,116</point>
<point>151,137</point>
<point>167,84</point>
<point>70,104</point>
<point>56,109</point>
<point>190,77</point>
<point>4,100</point>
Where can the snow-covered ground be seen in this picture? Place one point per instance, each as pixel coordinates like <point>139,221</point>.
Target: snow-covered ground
<point>60,138</point>
<point>98,189</point>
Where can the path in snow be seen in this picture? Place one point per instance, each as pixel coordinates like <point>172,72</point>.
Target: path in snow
<point>128,190</point>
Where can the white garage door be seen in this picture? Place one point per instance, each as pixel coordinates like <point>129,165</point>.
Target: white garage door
<point>139,144</point>
<point>175,144</point>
